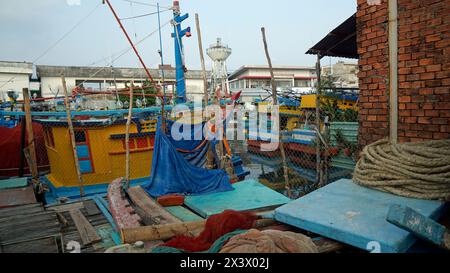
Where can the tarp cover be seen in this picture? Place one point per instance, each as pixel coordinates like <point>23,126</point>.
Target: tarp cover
<point>176,172</point>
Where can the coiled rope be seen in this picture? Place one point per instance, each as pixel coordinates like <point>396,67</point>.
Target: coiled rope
<point>416,170</point>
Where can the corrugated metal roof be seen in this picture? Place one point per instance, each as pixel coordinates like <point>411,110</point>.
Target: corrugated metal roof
<point>340,42</point>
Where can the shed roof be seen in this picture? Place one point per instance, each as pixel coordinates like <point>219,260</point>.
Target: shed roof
<point>340,42</point>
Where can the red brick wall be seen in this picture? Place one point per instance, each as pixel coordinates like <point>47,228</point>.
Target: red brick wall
<point>423,70</point>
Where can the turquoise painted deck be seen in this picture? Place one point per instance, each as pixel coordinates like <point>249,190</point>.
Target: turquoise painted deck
<point>247,195</point>
<point>355,215</point>
<point>13,183</point>
<point>183,214</point>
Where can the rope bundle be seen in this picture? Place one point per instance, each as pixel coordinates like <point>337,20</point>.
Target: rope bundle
<point>416,170</point>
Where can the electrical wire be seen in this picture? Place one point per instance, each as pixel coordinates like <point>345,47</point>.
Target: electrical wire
<point>142,15</point>
<point>123,53</point>
<point>145,4</point>
<point>59,40</point>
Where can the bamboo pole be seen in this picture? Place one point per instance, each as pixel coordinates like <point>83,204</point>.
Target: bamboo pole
<point>72,136</point>
<point>202,60</point>
<point>127,139</point>
<point>275,102</point>
<point>209,153</point>
<point>31,146</point>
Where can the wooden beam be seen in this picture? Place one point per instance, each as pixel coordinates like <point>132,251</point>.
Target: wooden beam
<point>127,139</point>
<point>164,232</point>
<point>202,60</point>
<point>150,211</point>
<point>72,136</point>
<point>275,102</point>
<point>29,126</point>
<point>85,229</point>
<point>159,232</point>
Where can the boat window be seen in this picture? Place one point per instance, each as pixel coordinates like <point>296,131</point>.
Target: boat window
<point>80,136</point>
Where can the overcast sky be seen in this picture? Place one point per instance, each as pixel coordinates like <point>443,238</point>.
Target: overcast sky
<point>29,28</point>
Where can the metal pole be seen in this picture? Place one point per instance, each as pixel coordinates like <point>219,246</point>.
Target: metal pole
<point>275,102</point>
<point>72,136</point>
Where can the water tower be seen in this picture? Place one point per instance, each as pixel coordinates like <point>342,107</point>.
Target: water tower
<point>219,53</point>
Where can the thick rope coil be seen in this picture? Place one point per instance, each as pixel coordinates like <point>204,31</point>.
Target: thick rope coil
<point>416,170</point>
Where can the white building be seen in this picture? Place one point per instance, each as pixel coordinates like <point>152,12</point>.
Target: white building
<point>102,78</point>
<point>253,79</point>
<point>344,75</point>
<point>14,76</point>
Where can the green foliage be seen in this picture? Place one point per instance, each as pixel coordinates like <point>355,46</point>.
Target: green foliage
<point>138,94</point>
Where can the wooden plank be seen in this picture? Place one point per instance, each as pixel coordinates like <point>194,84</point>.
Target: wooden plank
<point>151,211</point>
<point>22,228</point>
<point>247,195</point>
<point>421,226</point>
<point>66,207</point>
<point>85,229</point>
<point>355,215</point>
<point>91,207</point>
<point>25,209</point>
<point>13,183</point>
<point>183,214</point>
<point>43,245</point>
<point>17,197</point>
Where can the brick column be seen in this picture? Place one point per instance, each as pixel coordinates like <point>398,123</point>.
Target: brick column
<point>423,69</point>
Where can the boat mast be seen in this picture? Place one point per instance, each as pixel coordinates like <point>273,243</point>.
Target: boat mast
<point>177,35</point>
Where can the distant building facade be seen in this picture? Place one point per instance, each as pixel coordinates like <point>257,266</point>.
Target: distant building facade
<point>344,75</point>
<point>14,76</point>
<point>108,78</point>
<point>254,79</point>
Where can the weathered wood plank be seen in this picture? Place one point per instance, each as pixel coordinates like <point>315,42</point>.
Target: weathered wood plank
<point>149,210</point>
<point>85,229</point>
<point>25,209</point>
<point>66,207</point>
<point>91,207</point>
<point>17,197</point>
<point>44,245</point>
<point>421,226</point>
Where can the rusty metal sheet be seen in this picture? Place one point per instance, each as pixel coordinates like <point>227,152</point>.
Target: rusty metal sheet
<point>17,196</point>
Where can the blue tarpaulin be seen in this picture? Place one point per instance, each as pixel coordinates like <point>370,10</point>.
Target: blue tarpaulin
<point>179,172</point>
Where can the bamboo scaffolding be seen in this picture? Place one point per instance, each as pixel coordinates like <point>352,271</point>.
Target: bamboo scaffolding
<point>72,136</point>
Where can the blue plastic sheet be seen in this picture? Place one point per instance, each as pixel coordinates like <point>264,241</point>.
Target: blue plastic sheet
<point>176,172</point>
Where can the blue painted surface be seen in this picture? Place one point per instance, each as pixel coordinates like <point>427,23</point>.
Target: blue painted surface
<point>85,166</point>
<point>183,214</point>
<point>416,223</point>
<point>104,208</point>
<point>11,183</point>
<point>82,151</point>
<point>178,35</point>
<point>247,195</point>
<point>74,192</point>
<point>355,215</point>
<point>153,109</point>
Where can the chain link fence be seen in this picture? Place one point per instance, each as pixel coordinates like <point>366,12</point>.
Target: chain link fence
<point>314,156</point>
